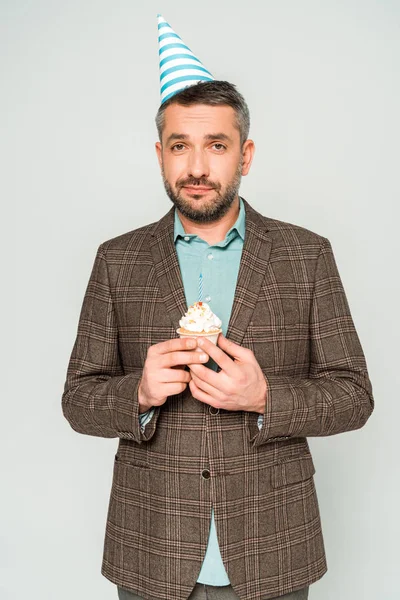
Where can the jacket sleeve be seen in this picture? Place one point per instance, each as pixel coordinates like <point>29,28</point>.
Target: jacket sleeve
<point>99,397</point>
<point>337,394</point>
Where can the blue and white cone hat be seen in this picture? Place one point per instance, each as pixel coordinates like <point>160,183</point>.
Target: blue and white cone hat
<point>179,67</point>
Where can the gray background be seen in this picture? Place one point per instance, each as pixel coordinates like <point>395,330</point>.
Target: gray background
<point>79,91</point>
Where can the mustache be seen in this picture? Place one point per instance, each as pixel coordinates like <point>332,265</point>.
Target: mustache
<point>192,181</point>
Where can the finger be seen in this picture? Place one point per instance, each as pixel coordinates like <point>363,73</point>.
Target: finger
<point>171,389</point>
<point>183,358</point>
<point>234,350</point>
<point>173,345</point>
<point>208,375</point>
<point>222,359</point>
<point>198,394</point>
<point>174,376</point>
<point>207,388</point>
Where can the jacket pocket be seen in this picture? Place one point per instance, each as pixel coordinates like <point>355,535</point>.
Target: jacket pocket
<point>119,460</point>
<point>127,530</point>
<point>292,470</point>
<point>130,496</point>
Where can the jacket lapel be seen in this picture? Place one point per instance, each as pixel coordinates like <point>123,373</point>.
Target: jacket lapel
<point>167,267</point>
<point>253,266</point>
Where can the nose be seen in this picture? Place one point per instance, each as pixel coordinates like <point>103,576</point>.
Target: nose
<point>198,164</point>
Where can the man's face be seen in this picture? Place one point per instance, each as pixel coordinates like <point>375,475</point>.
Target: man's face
<point>201,160</point>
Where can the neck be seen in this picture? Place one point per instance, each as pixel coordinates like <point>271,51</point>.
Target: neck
<point>214,232</point>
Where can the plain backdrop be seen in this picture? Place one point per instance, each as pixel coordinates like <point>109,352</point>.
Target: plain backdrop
<point>79,90</point>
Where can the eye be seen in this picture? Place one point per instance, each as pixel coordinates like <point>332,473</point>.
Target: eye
<point>219,146</point>
<point>178,147</point>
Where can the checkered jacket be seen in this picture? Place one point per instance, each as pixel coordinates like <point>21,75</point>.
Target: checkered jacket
<point>290,309</point>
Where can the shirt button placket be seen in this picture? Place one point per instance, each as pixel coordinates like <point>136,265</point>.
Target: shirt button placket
<point>207,270</point>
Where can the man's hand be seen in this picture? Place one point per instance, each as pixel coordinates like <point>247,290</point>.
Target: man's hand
<point>162,376</point>
<point>240,385</point>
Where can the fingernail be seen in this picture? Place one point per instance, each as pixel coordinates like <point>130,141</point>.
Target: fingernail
<point>203,357</point>
<point>200,342</point>
<point>190,343</point>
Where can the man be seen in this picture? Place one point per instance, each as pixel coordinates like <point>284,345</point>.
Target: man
<point>213,493</point>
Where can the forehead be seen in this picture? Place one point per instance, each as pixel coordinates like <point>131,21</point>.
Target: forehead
<point>200,119</point>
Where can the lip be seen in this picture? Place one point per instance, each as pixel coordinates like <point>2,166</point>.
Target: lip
<point>197,188</point>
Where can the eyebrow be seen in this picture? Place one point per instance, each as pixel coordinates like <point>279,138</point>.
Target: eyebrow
<point>208,137</point>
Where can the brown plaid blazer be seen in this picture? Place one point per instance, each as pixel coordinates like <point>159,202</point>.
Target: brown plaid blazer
<point>291,311</point>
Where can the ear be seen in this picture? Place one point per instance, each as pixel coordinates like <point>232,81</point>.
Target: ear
<point>159,153</point>
<point>248,150</point>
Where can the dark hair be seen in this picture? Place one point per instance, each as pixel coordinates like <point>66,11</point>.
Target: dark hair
<point>213,93</point>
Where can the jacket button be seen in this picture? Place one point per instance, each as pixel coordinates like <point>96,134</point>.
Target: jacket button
<point>206,474</point>
<point>213,411</point>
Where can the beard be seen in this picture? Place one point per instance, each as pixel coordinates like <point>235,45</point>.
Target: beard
<point>213,209</point>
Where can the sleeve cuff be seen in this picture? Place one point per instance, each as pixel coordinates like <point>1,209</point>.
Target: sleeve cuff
<point>145,418</point>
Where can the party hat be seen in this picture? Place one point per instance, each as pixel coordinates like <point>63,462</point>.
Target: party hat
<point>179,67</point>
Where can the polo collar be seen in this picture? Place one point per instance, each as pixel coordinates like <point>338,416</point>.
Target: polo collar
<point>239,226</point>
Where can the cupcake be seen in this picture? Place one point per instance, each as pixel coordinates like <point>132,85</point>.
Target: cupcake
<point>200,321</point>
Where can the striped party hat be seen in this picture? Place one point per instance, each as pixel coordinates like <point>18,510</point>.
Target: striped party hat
<point>179,67</point>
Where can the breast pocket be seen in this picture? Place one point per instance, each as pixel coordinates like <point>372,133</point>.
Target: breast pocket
<point>280,349</point>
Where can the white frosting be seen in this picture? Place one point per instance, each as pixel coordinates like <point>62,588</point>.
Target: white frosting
<point>200,317</point>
